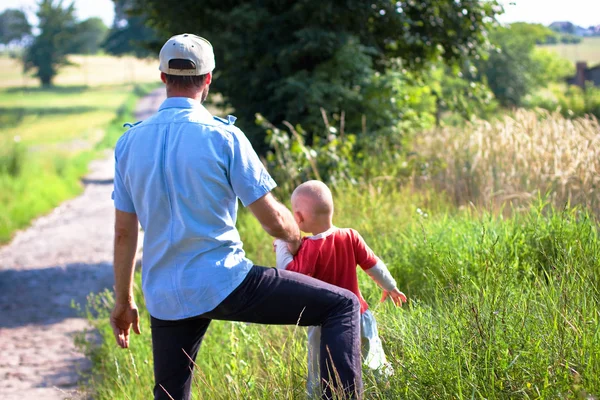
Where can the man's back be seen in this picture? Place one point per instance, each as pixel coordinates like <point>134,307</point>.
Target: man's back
<point>182,167</point>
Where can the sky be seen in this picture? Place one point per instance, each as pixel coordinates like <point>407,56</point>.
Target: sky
<point>84,9</point>
<point>580,12</point>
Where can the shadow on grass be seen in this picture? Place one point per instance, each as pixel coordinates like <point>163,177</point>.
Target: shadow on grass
<point>10,116</point>
<point>87,181</point>
<point>47,89</point>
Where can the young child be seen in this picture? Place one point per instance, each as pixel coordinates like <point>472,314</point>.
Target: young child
<point>332,255</point>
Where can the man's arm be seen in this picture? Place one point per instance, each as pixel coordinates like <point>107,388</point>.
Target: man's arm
<point>277,220</point>
<point>125,312</point>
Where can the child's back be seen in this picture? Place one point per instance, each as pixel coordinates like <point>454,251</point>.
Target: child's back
<point>332,257</point>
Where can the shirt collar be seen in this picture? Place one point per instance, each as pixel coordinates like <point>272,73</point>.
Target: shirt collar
<point>323,234</point>
<point>184,102</point>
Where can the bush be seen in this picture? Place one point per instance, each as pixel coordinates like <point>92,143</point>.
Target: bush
<point>12,158</point>
<point>573,102</point>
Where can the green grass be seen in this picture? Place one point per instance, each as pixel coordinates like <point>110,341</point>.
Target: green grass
<point>47,138</point>
<point>60,116</point>
<point>588,50</point>
<point>500,308</point>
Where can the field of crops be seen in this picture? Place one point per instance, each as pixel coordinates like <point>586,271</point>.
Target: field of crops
<point>85,71</point>
<point>588,50</point>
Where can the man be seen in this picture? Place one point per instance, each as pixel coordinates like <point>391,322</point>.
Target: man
<point>180,173</point>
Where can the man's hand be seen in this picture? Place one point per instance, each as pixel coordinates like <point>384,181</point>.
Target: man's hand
<point>276,220</point>
<point>122,317</point>
<point>397,297</point>
<point>294,246</point>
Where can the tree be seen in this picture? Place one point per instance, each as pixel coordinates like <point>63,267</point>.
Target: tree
<point>129,34</point>
<point>89,35</point>
<point>515,68</point>
<point>537,33</point>
<point>286,60</point>
<point>49,50</point>
<point>13,26</point>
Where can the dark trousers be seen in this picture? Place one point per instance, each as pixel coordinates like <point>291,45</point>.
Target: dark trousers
<point>268,296</point>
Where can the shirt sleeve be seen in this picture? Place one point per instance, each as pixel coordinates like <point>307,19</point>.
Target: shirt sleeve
<point>282,254</point>
<point>381,275</point>
<point>364,255</point>
<point>305,260</point>
<point>120,194</point>
<point>248,176</point>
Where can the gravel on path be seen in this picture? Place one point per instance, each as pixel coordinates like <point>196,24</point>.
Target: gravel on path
<point>60,258</point>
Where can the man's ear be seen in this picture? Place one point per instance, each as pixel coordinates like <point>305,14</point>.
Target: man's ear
<point>163,77</point>
<point>208,78</point>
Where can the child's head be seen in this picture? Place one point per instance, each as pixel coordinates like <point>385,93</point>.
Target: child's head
<point>312,205</point>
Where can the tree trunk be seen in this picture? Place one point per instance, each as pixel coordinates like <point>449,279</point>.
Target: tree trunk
<point>46,80</point>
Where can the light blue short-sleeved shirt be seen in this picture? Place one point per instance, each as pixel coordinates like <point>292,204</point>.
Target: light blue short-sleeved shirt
<point>182,171</point>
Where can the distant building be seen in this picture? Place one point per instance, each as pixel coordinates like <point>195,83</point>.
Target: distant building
<point>595,30</point>
<point>569,28</point>
<point>585,74</point>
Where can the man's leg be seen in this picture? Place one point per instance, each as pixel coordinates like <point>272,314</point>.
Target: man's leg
<point>171,340</point>
<point>271,296</point>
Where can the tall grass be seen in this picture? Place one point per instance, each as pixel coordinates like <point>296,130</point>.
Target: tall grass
<point>515,159</point>
<point>499,308</point>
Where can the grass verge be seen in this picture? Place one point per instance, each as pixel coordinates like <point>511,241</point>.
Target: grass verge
<point>34,180</point>
<point>499,308</point>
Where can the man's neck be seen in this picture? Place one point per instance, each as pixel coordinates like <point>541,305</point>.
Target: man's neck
<point>194,95</point>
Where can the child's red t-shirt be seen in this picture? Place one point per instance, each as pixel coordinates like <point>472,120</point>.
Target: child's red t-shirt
<point>332,257</point>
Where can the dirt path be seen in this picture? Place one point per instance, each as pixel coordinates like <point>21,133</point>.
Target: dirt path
<point>63,256</point>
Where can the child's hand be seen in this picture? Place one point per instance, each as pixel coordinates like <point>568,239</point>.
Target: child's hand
<point>397,297</point>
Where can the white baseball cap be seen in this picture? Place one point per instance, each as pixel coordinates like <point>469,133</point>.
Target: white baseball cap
<point>187,47</point>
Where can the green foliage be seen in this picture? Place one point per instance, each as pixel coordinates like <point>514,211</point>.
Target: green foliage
<point>129,34</point>
<point>14,26</point>
<point>12,159</point>
<point>291,161</point>
<point>49,50</point>
<point>398,101</point>
<point>516,68</point>
<point>537,33</point>
<point>88,36</point>
<point>458,93</point>
<point>507,70</point>
<point>549,67</point>
<point>499,308</point>
<point>570,39</point>
<point>571,102</point>
<point>288,60</point>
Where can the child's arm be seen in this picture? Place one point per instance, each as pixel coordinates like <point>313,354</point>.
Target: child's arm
<point>377,270</point>
<point>283,255</point>
<point>381,275</point>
